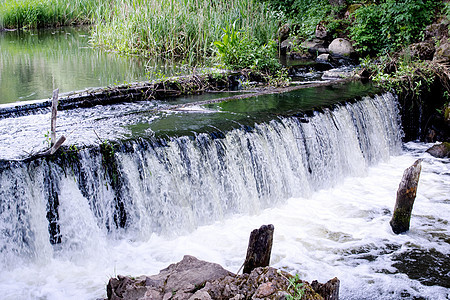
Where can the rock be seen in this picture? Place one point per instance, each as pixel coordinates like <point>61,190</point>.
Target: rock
<point>315,46</point>
<point>283,32</point>
<point>339,73</point>
<point>321,31</point>
<point>443,52</point>
<point>193,279</point>
<point>423,50</point>
<point>286,46</point>
<point>323,57</point>
<point>329,290</point>
<point>338,2</point>
<point>436,31</point>
<point>341,47</point>
<point>351,9</point>
<point>406,194</point>
<point>261,283</point>
<point>178,281</point>
<point>440,151</point>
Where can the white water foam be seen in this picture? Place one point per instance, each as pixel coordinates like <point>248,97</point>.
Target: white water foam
<point>314,236</point>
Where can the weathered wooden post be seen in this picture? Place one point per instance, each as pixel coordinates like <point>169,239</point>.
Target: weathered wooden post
<point>53,120</point>
<point>259,248</point>
<point>406,195</point>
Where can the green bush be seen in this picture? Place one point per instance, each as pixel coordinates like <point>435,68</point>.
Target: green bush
<point>238,50</point>
<point>391,24</point>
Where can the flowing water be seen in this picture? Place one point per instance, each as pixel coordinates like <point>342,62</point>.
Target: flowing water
<point>326,179</point>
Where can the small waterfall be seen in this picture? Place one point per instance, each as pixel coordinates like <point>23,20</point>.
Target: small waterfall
<point>78,200</point>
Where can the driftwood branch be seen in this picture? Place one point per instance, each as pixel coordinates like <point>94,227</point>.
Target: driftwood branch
<point>406,195</point>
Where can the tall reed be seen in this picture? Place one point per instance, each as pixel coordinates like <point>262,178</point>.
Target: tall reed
<point>177,28</point>
<point>46,13</point>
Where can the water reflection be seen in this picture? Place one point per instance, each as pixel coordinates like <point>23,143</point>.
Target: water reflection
<point>33,63</point>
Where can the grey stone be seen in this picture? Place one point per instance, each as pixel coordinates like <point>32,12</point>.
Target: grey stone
<point>341,47</point>
<point>323,57</point>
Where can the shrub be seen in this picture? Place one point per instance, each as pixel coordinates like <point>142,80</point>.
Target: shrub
<point>238,50</point>
<point>390,24</point>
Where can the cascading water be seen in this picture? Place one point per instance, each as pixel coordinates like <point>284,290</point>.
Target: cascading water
<point>67,222</point>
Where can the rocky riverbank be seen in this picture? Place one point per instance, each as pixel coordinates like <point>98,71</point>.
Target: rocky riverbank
<point>194,279</point>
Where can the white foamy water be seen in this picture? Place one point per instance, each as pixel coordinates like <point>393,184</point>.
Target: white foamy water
<point>318,237</point>
<point>327,183</point>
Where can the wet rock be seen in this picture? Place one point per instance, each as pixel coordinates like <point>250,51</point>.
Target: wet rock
<point>323,57</point>
<point>441,150</point>
<point>339,73</point>
<point>341,47</point>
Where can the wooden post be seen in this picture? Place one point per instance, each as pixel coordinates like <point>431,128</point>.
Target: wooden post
<point>53,120</point>
<point>406,195</point>
<point>259,248</point>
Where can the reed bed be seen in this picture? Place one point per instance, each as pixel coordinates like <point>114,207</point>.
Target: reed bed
<point>46,13</point>
<point>184,29</point>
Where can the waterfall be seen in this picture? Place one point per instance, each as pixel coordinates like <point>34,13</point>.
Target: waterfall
<point>170,186</point>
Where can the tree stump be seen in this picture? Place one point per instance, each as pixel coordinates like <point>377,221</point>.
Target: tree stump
<point>406,195</point>
<point>259,248</point>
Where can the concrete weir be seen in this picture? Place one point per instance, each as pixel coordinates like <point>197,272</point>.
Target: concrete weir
<point>221,80</point>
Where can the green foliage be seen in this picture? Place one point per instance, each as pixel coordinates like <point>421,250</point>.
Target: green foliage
<point>296,288</point>
<point>305,14</point>
<point>391,24</point>
<point>45,13</point>
<point>403,74</point>
<point>238,50</point>
<point>183,29</point>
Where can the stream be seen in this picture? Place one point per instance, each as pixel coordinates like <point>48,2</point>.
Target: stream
<point>138,186</point>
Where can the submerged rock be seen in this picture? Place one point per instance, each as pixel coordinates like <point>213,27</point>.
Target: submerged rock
<point>193,279</point>
<point>440,151</point>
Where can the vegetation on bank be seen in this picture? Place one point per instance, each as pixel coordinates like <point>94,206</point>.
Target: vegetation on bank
<point>240,34</point>
<point>46,13</point>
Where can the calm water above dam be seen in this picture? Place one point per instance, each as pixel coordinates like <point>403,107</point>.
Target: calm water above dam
<point>34,63</point>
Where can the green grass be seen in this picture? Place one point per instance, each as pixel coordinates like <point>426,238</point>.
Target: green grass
<point>46,13</point>
<point>184,29</point>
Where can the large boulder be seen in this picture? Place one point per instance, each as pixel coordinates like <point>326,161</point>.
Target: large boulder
<point>341,47</point>
<point>178,281</point>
